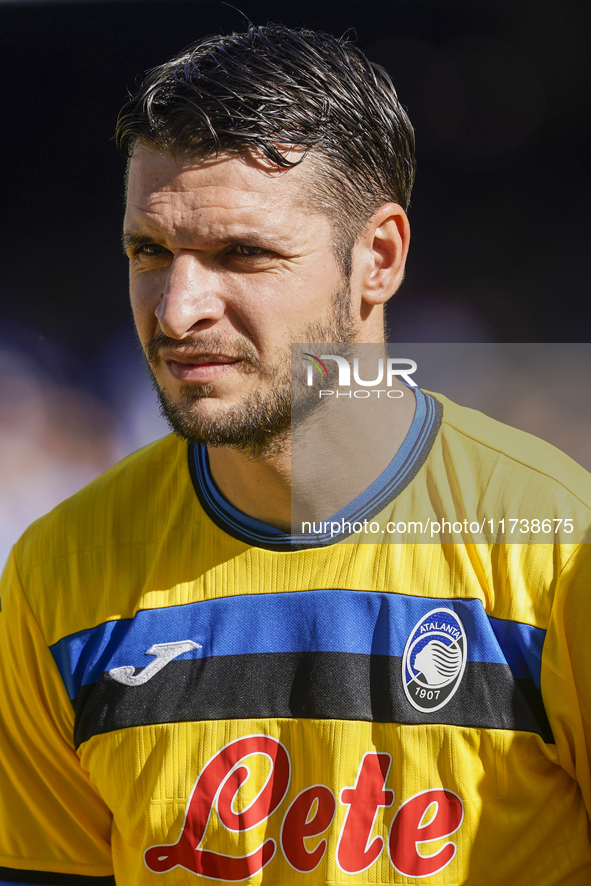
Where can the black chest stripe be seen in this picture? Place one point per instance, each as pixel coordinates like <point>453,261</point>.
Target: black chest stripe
<point>313,685</point>
<point>322,654</point>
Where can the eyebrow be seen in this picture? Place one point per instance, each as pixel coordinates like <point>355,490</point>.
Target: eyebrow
<point>131,239</point>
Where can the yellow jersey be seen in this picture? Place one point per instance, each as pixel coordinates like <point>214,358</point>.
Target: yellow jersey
<point>188,696</point>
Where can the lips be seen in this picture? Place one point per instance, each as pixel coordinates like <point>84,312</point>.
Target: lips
<point>202,368</point>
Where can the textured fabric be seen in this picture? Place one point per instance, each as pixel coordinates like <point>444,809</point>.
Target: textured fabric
<point>177,706</point>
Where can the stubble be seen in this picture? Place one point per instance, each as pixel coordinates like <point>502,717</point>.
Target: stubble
<point>259,425</point>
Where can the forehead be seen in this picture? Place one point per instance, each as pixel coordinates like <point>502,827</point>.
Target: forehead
<point>232,192</point>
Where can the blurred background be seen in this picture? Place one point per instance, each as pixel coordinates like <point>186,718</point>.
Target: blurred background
<point>499,94</point>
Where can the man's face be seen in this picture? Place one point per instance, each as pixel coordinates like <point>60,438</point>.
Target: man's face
<point>228,267</point>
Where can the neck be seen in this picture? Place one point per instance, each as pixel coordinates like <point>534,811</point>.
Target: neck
<point>324,465</point>
<point>259,486</point>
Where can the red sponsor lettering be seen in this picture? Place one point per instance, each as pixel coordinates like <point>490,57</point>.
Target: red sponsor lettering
<point>430,815</point>
<point>413,825</point>
<point>299,823</point>
<point>355,853</point>
<point>223,774</point>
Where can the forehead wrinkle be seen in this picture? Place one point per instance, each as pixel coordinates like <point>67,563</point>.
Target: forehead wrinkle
<point>173,170</point>
<point>187,204</point>
<point>264,190</point>
<point>214,197</point>
<point>258,226</point>
<point>208,199</point>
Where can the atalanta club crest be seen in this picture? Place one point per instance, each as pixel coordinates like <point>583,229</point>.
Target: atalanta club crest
<point>434,660</point>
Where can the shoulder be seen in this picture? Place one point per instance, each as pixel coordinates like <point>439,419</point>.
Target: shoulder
<point>530,503</point>
<point>489,447</point>
<point>90,517</point>
<point>90,559</point>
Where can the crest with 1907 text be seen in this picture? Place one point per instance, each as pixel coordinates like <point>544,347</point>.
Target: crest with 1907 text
<point>434,660</point>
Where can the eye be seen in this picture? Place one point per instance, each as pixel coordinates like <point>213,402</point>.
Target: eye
<point>149,249</point>
<point>244,251</point>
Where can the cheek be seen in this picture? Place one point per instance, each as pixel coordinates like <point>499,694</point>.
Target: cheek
<point>297,298</point>
<point>144,296</point>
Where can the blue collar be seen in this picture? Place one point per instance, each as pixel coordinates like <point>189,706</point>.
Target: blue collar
<point>397,475</point>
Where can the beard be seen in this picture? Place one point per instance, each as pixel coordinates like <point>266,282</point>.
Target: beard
<point>260,423</point>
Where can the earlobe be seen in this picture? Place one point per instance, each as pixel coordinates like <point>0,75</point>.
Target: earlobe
<point>386,242</point>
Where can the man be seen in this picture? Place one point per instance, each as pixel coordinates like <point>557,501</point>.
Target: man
<point>187,696</point>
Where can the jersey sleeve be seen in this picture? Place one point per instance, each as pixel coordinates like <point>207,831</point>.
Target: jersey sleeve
<point>566,669</point>
<point>54,827</point>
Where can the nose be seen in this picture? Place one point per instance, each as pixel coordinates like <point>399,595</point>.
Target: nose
<point>190,300</point>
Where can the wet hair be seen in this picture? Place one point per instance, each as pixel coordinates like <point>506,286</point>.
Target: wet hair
<point>273,89</point>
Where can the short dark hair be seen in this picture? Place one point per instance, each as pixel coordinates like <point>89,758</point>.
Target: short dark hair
<point>272,88</point>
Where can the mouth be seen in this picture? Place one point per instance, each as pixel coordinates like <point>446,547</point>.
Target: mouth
<point>200,368</point>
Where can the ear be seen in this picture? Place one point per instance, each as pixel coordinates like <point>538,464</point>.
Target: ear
<point>380,254</point>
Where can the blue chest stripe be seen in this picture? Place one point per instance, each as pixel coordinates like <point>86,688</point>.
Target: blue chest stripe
<point>331,620</point>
